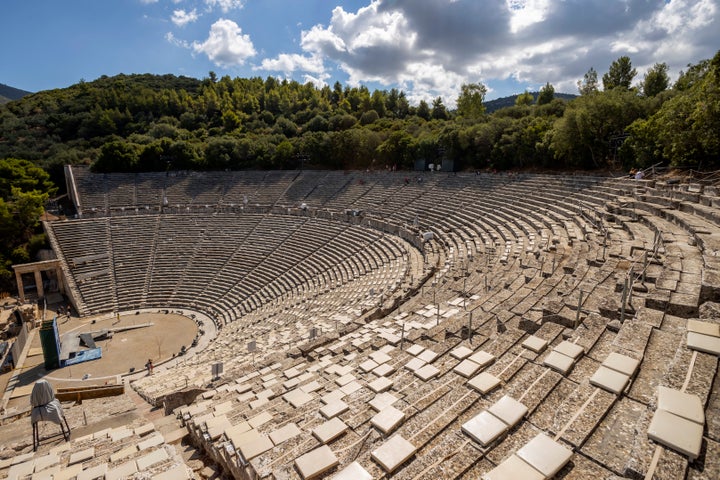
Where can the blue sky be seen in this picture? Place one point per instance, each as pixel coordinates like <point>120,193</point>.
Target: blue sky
<point>427,48</point>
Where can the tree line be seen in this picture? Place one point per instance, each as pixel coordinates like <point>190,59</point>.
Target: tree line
<point>150,123</point>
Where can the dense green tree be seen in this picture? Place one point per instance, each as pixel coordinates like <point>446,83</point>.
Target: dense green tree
<point>656,80</point>
<point>582,137</point>
<point>470,101</point>
<point>25,175</point>
<point>524,99</point>
<point>589,84</point>
<point>423,110</point>
<point>546,95</point>
<point>439,112</point>
<point>620,74</point>
<point>684,131</point>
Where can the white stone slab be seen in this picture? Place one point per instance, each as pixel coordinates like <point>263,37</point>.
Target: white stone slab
<point>415,364</point>
<point>508,410</point>
<point>513,468</point>
<point>559,362</point>
<point>353,471</point>
<point>622,363</point>
<point>393,453</point>
<point>570,349</point>
<point>703,343</point>
<point>82,456</point>
<point>46,461</point>
<point>705,328</point>
<point>297,398</point>
<point>368,365</point>
<point>414,350</point>
<point>380,357</point>
<point>98,471</point>
<point>677,433</point>
<point>682,404</point>
<point>610,380</point>
<point>545,454</point>
<point>123,470</point>
<point>20,470</point>
<point>427,356</point>
<point>285,433</point>
<point>484,428</point>
<point>351,388</point>
<point>345,379</point>
<point>330,430</point>
<point>383,370</point>
<point>482,358</point>
<point>461,352</point>
<point>383,400</point>
<point>316,462</point>
<point>118,434</point>
<point>467,368</point>
<point>260,419</point>
<point>313,386</point>
<point>427,372</point>
<point>332,396</point>
<point>387,419</point>
<point>255,446</point>
<point>484,382</point>
<point>536,344</point>
<point>152,441</point>
<point>147,461</point>
<point>380,384</point>
<point>335,408</point>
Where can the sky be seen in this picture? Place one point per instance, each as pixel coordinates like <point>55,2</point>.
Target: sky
<point>427,48</point>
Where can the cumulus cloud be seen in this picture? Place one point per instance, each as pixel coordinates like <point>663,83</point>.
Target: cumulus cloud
<point>176,41</point>
<point>225,5</point>
<point>226,45</point>
<point>148,2</point>
<point>182,18</point>
<point>289,63</point>
<point>432,47</point>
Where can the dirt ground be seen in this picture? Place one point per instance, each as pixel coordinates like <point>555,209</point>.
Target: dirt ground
<point>125,350</point>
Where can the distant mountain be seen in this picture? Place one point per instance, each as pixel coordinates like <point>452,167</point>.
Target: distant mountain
<point>498,103</point>
<point>8,93</point>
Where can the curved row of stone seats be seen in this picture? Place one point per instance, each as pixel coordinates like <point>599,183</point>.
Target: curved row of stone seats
<point>276,327</point>
<point>213,263</point>
<point>132,450</point>
<point>579,414</point>
<point>377,455</point>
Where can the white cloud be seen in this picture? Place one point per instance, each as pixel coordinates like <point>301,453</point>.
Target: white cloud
<point>148,2</point>
<point>318,80</point>
<point>225,5</point>
<point>176,41</point>
<point>288,63</point>
<point>226,45</point>
<point>431,47</point>
<point>182,18</point>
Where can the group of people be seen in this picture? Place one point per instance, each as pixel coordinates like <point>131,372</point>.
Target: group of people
<point>637,174</point>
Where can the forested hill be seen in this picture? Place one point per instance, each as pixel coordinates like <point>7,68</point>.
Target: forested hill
<point>151,122</point>
<point>8,93</point>
<point>505,102</point>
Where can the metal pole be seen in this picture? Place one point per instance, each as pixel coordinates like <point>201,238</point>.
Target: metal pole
<point>470,330</point>
<point>624,296</point>
<point>402,336</point>
<point>577,314</point>
<point>645,265</point>
<point>604,245</point>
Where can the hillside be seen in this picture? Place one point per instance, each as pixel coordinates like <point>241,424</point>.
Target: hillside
<point>8,93</point>
<point>132,123</point>
<point>504,102</point>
